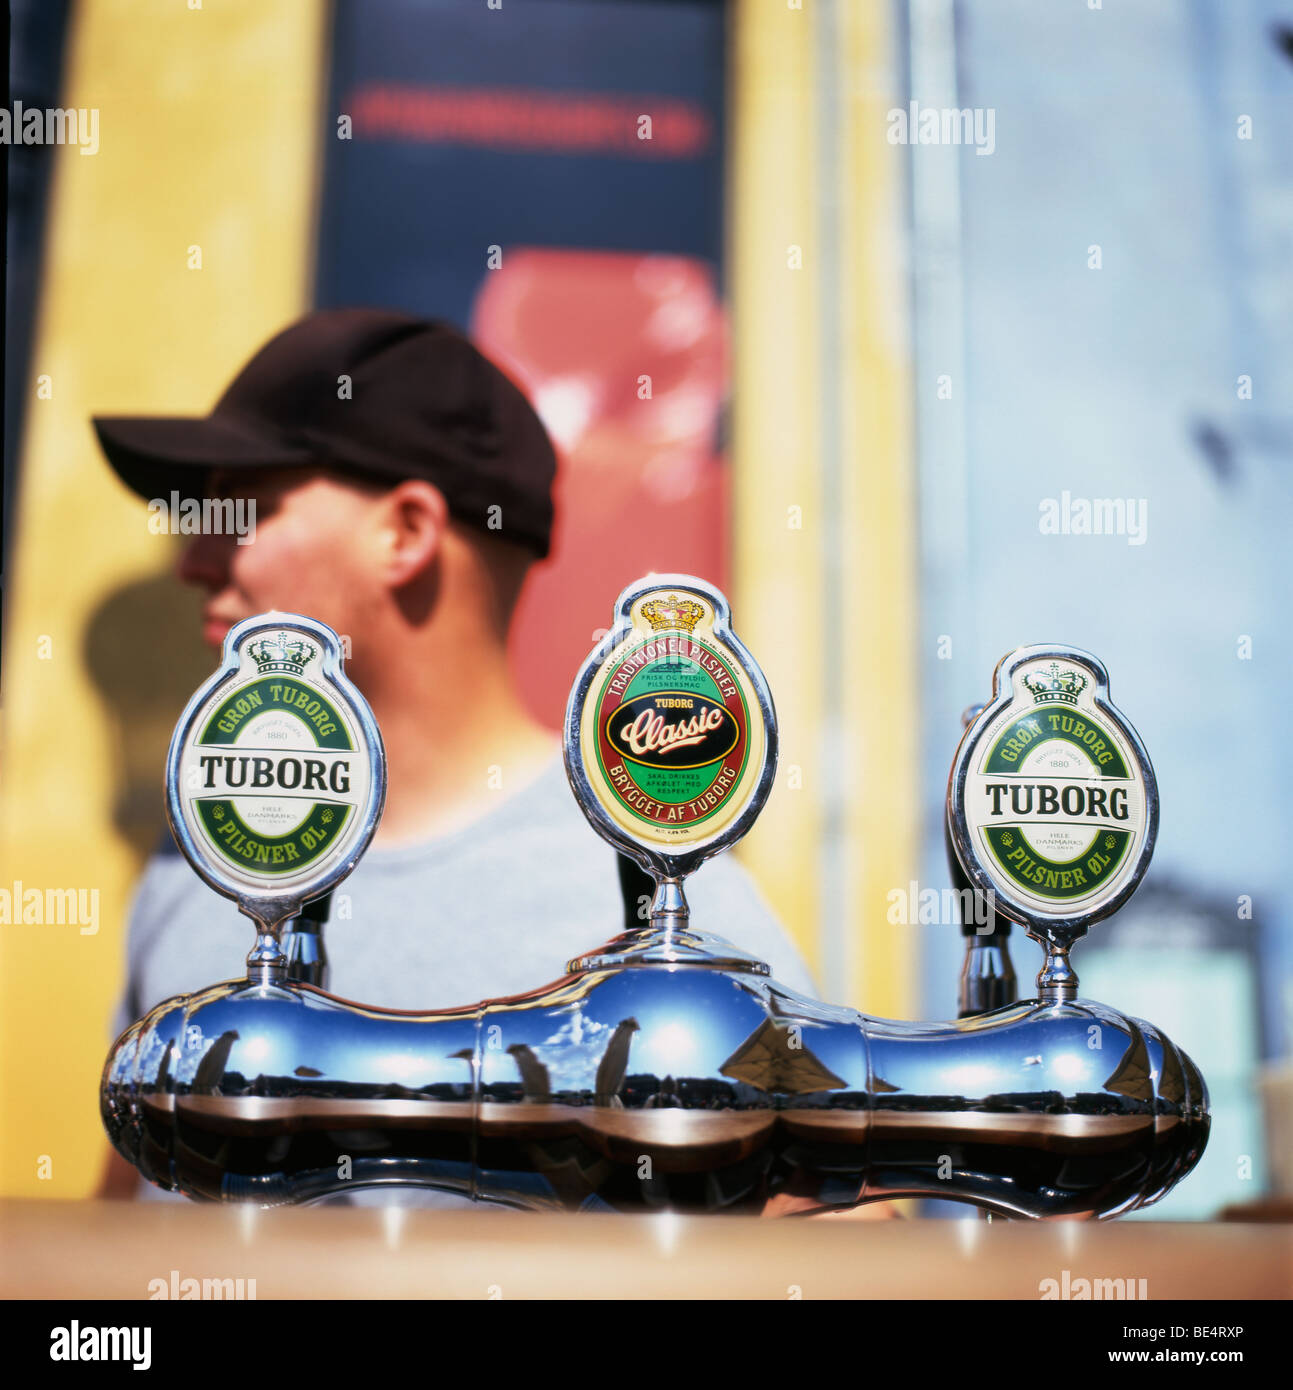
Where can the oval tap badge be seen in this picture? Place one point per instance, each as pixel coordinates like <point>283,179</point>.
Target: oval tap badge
<point>670,732</point>
<point>1052,799</point>
<point>276,774</point>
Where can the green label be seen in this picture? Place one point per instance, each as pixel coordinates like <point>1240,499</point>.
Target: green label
<point>282,695</point>
<point>1019,738</point>
<point>672,744</point>
<point>1072,878</point>
<point>272,854</point>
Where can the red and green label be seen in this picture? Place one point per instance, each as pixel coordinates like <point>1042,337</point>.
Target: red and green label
<point>673,731</point>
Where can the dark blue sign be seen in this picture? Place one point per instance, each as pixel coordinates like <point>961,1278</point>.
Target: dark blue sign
<point>591,124</point>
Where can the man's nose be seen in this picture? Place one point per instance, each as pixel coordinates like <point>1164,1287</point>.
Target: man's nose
<point>205,561</point>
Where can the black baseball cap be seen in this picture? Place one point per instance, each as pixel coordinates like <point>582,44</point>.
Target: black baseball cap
<point>422,402</point>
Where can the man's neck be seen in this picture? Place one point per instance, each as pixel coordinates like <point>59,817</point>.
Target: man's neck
<point>458,738</point>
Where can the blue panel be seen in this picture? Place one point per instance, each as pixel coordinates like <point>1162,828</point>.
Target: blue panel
<point>1125,267</point>
<point>499,128</point>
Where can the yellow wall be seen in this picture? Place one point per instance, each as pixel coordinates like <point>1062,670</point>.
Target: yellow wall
<point>877,463</point>
<point>209,129</point>
<point>825,596</point>
<point>776,602</point>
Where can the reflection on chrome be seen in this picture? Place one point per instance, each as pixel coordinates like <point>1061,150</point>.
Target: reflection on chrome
<point>653,1087</point>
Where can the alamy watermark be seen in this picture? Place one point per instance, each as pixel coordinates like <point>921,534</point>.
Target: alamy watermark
<point>50,907</point>
<point>181,1287</point>
<point>76,1343</point>
<point>204,516</point>
<point>944,125</point>
<point>949,907</point>
<point>57,125</point>
<point>1067,515</point>
<point>1066,1287</point>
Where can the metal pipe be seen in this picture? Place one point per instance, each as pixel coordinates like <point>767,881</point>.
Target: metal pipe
<point>648,1086</point>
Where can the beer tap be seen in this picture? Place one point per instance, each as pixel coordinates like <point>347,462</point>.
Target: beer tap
<point>307,957</point>
<point>666,1068</point>
<point>987,974</point>
<point>275,782</point>
<point>1052,803</point>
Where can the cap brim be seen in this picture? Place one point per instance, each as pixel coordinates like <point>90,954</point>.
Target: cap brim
<point>153,454</point>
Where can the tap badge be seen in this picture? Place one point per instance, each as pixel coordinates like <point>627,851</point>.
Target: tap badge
<point>276,773</point>
<point>1052,796</point>
<point>669,731</point>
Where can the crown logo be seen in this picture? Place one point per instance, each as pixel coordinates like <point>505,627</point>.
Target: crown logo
<point>1054,686</point>
<point>673,612</point>
<point>282,652</point>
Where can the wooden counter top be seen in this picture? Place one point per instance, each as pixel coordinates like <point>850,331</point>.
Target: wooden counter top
<point>101,1249</point>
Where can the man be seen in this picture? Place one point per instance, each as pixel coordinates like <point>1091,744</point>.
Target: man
<point>403,489</point>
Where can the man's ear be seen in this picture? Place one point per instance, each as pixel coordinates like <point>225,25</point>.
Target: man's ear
<point>412,526</point>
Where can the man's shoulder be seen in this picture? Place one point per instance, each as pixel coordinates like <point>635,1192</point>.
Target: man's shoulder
<point>552,854</point>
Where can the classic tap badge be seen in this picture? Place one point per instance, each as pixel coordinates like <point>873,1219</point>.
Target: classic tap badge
<point>670,733</point>
<point>276,773</point>
<point>1052,799</point>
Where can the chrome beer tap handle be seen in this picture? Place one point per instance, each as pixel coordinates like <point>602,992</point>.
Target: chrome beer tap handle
<point>671,750</point>
<point>1052,802</point>
<point>275,781</point>
<point>987,979</point>
<point>302,943</point>
<point>987,974</point>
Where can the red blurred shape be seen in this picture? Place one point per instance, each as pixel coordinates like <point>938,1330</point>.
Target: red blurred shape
<point>625,359</point>
<point>513,119</point>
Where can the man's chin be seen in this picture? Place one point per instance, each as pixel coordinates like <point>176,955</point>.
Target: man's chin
<point>213,633</point>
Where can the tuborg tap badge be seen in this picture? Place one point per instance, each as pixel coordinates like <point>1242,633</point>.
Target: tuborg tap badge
<point>1052,801</point>
<point>276,773</point>
<point>670,737</point>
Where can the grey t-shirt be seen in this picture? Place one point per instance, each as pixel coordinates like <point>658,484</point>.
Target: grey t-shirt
<point>488,911</point>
